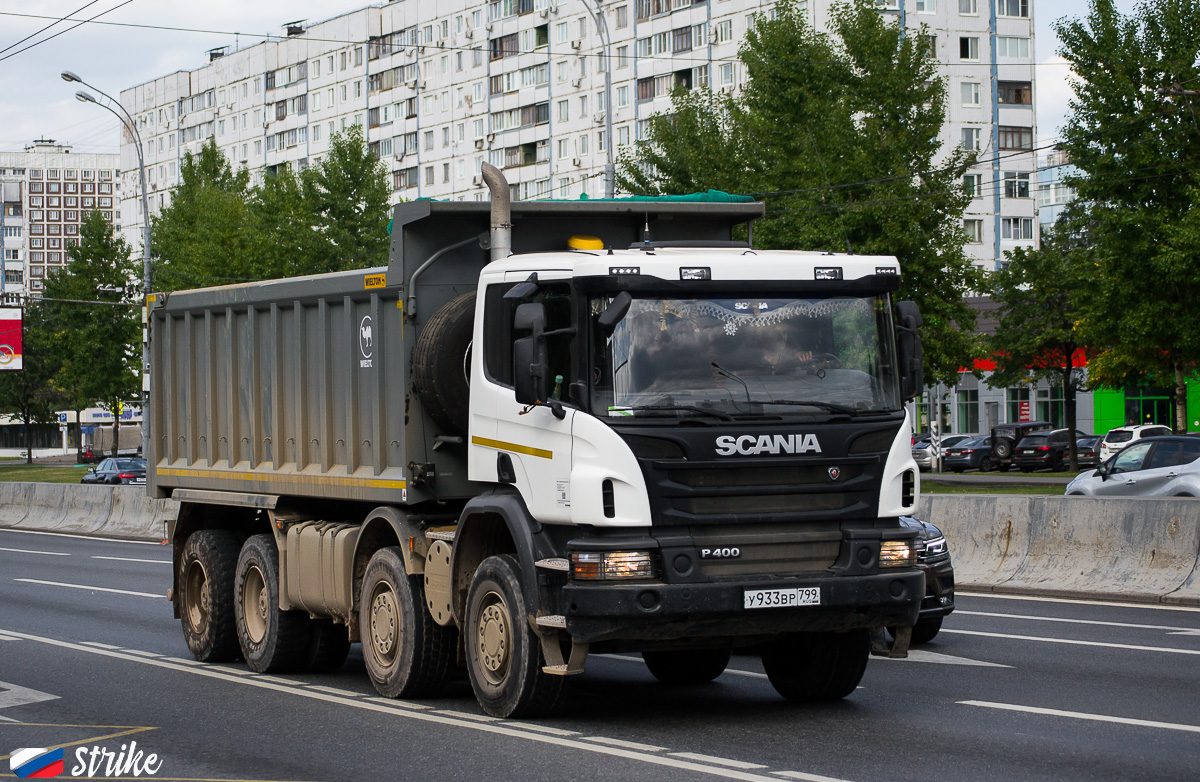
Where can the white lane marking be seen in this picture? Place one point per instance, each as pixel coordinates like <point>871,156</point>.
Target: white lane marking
<point>626,744</point>
<point>31,551</point>
<point>806,777</point>
<point>263,676</point>
<point>99,645</point>
<point>546,729</point>
<point>4,637</point>
<point>719,761</point>
<point>9,719</point>
<point>334,691</point>
<point>395,704</point>
<point>923,656</point>
<point>131,559</point>
<point>1071,642</point>
<point>467,716</point>
<point>1180,630</point>
<point>85,586</point>
<point>13,695</point>
<point>499,728</point>
<point>1082,715</point>
<point>1077,601</point>
<point>143,654</point>
<point>81,537</point>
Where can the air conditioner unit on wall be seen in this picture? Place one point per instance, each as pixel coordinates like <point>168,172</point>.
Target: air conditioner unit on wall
<point>577,162</point>
<point>477,179</point>
<point>576,43</point>
<point>576,82</point>
<point>478,143</point>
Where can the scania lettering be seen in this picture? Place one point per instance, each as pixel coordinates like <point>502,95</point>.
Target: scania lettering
<point>748,444</point>
<point>545,430</point>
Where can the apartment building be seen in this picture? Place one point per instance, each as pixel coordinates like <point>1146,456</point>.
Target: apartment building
<point>44,193</point>
<point>441,87</point>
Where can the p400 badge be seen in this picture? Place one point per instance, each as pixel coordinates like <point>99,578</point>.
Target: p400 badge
<point>720,553</point>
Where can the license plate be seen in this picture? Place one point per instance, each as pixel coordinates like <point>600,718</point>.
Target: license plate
<point>782,598</point>
<point>1026,451</point>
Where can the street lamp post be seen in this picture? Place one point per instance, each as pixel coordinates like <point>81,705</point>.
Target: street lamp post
<point>127,121</point>
<point>610,170</point>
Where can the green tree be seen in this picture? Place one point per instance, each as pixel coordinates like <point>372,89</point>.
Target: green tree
<point>30,394</point>
<point>840,135</point>
<point>1134,136</point>
<point>93,304</point>
<point>349,194</point>
<point>204,237</point>
<point>1042,294</point>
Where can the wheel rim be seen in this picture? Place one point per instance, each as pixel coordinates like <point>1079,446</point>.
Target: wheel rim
<point>255,604</point>
<point>384,629</point>
<point>196,597</point>
<point>493,638</point>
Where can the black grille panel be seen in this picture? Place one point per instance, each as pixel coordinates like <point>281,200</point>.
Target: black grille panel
<point>791,475</point>
<point>770,549</point>
<point>761,503</point>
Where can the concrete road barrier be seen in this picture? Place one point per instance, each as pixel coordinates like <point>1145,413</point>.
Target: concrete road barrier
<point>1142,549</point>
<point>107,511</point>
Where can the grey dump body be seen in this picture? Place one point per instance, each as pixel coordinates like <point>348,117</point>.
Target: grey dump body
<point>300,387</point>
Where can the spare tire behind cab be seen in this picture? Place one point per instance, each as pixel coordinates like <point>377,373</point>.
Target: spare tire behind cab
<point>441,364</point>
<point>1003,448</point>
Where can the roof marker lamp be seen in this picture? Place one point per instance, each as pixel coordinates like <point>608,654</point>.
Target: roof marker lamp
<point>695,273</point>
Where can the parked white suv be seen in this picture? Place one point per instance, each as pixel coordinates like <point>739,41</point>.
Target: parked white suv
<point>1122,436</point>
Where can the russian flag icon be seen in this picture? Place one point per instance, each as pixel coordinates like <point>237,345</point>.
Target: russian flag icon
<point>35,763</point>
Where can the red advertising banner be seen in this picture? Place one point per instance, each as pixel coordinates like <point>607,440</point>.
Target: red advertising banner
<point>10,338</point>
<point>1024,411</point>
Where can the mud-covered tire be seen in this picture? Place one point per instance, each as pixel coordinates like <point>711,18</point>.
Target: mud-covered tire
<point>504,656</point>
<point>817,666</point>
<point>441,364</point>
<point>687,666</point>
<point>206,574</point>
<point>407,654</point>
<point>272,640</point>
<point>328,645</point>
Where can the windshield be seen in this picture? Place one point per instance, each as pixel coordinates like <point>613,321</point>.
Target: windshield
<point>1119,436</point>
<point>747,356</point>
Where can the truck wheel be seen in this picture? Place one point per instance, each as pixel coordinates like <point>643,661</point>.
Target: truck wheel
<point>407,654</point>
<point>271,639</point>
<point>817,666</point>
<point>441,363</point>
<point>504,656</point>
<point>328,646</point>
<point>206,595</point>
<point>688,666</point>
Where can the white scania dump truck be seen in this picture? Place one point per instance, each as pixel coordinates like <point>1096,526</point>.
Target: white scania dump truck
<point>511,448</point>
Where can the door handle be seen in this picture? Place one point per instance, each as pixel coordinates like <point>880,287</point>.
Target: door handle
<point>1172,475</point>
<point>1130,482</point>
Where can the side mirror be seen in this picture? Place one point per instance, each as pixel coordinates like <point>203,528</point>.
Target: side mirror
<point>530,363</point>
<point>617,309</point>
<point>908,343</point>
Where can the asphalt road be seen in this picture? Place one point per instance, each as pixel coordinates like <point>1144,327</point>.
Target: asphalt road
<point>1013,689</point>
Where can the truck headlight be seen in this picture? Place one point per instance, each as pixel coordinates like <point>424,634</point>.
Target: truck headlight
<point>895,554</point>
<point>612,565</point>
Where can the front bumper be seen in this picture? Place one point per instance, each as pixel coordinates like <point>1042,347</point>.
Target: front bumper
<point>652,611</point>
<point>939,591</point>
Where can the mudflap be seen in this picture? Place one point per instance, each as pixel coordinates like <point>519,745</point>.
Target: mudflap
<point>881,648</point>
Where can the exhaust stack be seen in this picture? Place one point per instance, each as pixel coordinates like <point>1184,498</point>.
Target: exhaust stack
<point>501,198</point>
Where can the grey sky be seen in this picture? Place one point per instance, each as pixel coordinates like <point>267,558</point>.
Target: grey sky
<point>36,103</point>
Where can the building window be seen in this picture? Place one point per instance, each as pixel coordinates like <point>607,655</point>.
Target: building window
<point>429,175</point>
<point>968,410</point>
<point>968,48</point>
<point>1013,137</point>
<point>622,16</point>
<point>973,185</point>
<point>970,93</point>
<point>926,6</point>
<point>1016,185</point>
<point>974,231</point>
<point>968,7</point>
<point>1017,8</point>
<point>1012,48</point>
<point>970,138</point>
<point>1016,93</point>
<point>1016,228</point>
<point>1017,402</point>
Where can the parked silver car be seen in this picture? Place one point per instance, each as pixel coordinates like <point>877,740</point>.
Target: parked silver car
<point>1149,467</point>
<point>924,453</point>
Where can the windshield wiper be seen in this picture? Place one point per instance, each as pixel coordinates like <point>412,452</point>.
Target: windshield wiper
<point>673,407</point>
<point>830,406</point>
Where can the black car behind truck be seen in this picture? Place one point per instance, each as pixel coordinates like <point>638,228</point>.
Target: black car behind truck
<point>1007,437</point>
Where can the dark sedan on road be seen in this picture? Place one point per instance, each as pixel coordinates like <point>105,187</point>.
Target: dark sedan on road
<point>933,556</point>
<point>114,471</point>
<point>973,454</point>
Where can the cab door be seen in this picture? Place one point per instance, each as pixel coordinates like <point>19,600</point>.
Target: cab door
<point>525,446</point>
